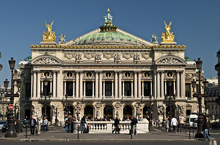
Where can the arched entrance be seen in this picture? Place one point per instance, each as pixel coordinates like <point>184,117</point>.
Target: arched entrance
<point>108,112</point>
<point>69,110</point>
<point>146,111</point>
<point>88,111</point>
<point>127,111</point>
<point>47,114</point>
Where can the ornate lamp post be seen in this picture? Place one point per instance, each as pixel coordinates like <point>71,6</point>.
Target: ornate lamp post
<point>10,118</point>
<point>199,96</point>
<point>44,101</point>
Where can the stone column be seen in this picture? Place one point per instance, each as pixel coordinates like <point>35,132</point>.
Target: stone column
<point>32,81</point>
<point>112,88</point>
<point>73,88</point>
<point>42,86</point>
<point>142,88</point>
<point>182,84</point>
<point>139,85</point>
<point>119,85</point>
<point>58,85</point>
<point>165,87</point>
<point>103,88</point>
<point>64,88</point>
<point>93,89</point>
<point>178,84</point>
<point>174,88</point>
<point>123,88</point>
<point>135,84</point>
<point>162,84</point>
<point>34,84</point>
<point>38,84</point>
<point>80,84</point>
<point>77,84</point>
<point>116,85</point>
<point>158,84</point>
<point>61,84</point>
<point>100,85</point>
<point>96,84</point>
<point>155,84</point>
<point>151,89</point>
<point>54,84</point>
<point>50,86</point>
<point>132,89</point>
<point>84,88</point>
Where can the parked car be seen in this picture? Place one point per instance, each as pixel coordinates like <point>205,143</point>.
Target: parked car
<point>2,122</point>
<point>5,127</point>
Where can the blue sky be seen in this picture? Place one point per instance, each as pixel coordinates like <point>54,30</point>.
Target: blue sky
<point>196,24</point>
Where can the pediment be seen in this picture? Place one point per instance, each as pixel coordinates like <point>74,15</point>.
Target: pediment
<point>75,41</point>
<point>46,60</point>
<point>170,60</point>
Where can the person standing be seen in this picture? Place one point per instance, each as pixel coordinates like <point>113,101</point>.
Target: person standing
<point>178,125</point>
<point>134,125</point>
<point>208,123</point>
<point>167,124</point>
<point>44,124</point>
<point>83,123</point>
<point>174,124</point>
<point>33,124</point>
<point>66,122</point>
<point>148,118</point>
<point>69,121</point>
<point>116,124</point>
<point>205,130</point>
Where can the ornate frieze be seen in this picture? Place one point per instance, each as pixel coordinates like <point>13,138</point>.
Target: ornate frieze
<point>98,57</point>
<point>69,55</point>
<point>127,75</point>
<point>117,58</point>
<point>46,60</point>
<point>69,75</point>
<point>79,57</point>
<point>89,55</point>
<point>108,75</point>
<point>108,55</point>
<point>88,75</point>
<point>146,75</point>
<point>137,57</point>
<point>146,55</point>
<point>127,55</point>
<point>170,60</point>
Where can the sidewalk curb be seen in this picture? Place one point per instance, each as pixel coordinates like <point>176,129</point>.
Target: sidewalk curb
<point>30,140</point>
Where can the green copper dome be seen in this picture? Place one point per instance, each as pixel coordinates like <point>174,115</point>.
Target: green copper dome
<point>108,36</point>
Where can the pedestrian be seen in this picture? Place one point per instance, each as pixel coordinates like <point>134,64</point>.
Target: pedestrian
<point>69,121</point>
<point>134,125</point>
<point>15,124</point>
<point>178,125</point>
<point>205,130</point>
<point>83,123</point>
<point>66,122</point>
<point>38,130</point>
<point>44,124</point>
<point>33,124</point>
<point>148,118</point>
<point>208,123</point>
<point>174,124</point>
<point>167,124</point>
<point>116,125</point>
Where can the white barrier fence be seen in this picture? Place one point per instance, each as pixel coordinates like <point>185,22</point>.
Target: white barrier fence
<point>108,126</point>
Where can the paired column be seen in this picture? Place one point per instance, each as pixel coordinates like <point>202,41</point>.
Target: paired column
<point>84,88</point>
<point>100,85</point>
<point>116,85</point>
<point>123,88</point>
<point>151,88</point>
<point>139,84</point>
<point>64,88</point>
<point>38,84</point>
<point>142,88</point>
<point>165,87</point>
<point>174,89</point>
<point>59,84</point>
<point>73,88</point>
<point>162,84</point>
<point>103,88</point>
<point>112,88</point>
<point>34,84</point>
<point>54,84</point>
<point>119,85</point>
<point>155,83</point>
<point>135,84</point>
<point>50,86</point>
<point>80,84</point>
<point>182,84</point>
<point>158,84</point>
<point>132,87</point>
<point>178,83</point>
<point>93,88</point>
<point>96,84</point>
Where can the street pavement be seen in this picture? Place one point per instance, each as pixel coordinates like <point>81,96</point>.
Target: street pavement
<point>59,134</point>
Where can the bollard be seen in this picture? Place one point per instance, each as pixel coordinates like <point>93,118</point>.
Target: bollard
<point>189,132</point>
<point>77,131</point>
<point>131,131</point>
<point>26,129</point>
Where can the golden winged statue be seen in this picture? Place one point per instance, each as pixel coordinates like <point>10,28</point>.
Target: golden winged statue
<point>167,36</point>
<point>49,36</point>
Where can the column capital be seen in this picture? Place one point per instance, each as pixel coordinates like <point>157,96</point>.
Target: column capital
<point>50,80</point>
<point>142,81</point>
<point>117,71</point>
<point>64,80</point>
<point>78,71</point>
<point>103,81</point>
<point>92,81</point>
<point>97,71</point>
<point>55,70</point>
<point>112,81</point>
<point>73,81</point>
<point>122,81</point>
<point>179,71</point>
<point>131,81</point>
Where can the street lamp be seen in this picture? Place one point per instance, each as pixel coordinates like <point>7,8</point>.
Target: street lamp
<point>199,96</point>
<point>45,102</point>
<point>2,101</point>
<point>10,118</point>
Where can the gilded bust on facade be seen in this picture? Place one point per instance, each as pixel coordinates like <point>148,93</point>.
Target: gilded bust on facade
<point>167,36</point>
<point>49,36</point>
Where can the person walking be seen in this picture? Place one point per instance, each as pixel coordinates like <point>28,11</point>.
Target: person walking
<point>167,124</point>
<point>38,130</point>
<point>134,125</point>
<point>208,123</point>
<point>69,121</point>
<point>44,124</point>
<point>83,123</point>
<point>174,124</point>
<point>116,124</point>
<point>205,130</point>
<point>178,125</point>
<point>66,122</point>
<point>148,118</point>
<point>33,124</point>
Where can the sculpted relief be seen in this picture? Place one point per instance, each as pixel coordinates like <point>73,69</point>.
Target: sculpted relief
<point>46,60</point>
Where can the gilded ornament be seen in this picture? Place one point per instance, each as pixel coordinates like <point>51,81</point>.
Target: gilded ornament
<point>49,36</point>
<point>167,36</point>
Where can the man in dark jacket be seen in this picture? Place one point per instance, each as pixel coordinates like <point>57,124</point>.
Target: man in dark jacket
<point>208,124</point>
<point>205,130</point>
<point>116,124</point>
<point>133,124</point>
<point>33,124</point>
